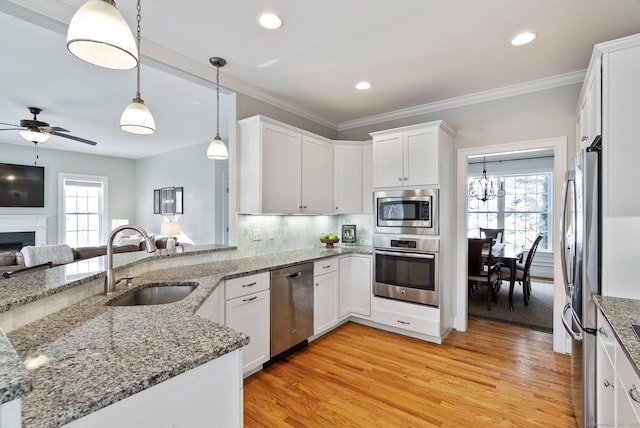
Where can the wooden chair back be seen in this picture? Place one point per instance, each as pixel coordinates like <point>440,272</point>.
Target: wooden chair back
<point>532,252</point>
<point>496,234</point>
<point>476,245</point>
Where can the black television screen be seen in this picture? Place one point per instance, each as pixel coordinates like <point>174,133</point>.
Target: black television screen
<point>21,185</point>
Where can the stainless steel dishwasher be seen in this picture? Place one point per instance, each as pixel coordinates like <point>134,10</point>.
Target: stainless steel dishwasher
<point>291,307</point>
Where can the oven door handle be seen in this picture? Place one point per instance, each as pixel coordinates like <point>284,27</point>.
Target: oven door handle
<point>403,254</point>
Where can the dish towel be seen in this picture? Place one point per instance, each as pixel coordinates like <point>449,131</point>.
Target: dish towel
<point>57,254</point>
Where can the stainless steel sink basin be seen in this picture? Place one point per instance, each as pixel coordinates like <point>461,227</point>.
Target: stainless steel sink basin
<point>158,293</point>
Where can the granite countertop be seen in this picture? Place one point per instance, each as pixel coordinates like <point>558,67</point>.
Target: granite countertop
<point>89,355</point>
<point>621,313</point>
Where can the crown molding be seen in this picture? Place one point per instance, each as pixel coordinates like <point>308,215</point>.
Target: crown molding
<point>465,100</point>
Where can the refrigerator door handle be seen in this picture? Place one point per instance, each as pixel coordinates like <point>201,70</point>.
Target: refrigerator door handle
<point>569,180</point>
<point>567,326</point>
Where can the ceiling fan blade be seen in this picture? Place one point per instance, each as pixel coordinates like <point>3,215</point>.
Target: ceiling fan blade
<point>9,124</point>
<point>71,137</point>
<point>57,128</point>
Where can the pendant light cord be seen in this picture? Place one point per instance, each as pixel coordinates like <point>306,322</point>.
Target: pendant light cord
<point>139,18</point>
<point>217,101</point>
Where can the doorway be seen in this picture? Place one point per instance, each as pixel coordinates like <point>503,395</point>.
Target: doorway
<point>559,147</point>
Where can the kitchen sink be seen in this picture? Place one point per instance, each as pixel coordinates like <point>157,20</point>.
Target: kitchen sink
<point>158,293</point>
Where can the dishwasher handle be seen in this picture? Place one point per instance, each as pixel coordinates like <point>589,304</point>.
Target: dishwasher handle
<point>295,275</point>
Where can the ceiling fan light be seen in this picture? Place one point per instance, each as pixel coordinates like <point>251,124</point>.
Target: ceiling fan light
<point>217,149</point>
<point>137,118</point>
<point>100,35</point>
<point>35,136</point>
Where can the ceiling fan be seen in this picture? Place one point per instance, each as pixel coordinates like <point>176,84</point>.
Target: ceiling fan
<point>38,132</point>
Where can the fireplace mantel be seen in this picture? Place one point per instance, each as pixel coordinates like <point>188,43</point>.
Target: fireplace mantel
<point>26,223</point>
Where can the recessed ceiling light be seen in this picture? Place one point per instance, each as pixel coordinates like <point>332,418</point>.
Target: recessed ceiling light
<point>523,39</point>
<point>363,85</point>
<point>270,21</point>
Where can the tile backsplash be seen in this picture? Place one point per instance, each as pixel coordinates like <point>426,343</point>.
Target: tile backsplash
<point>262,234</point>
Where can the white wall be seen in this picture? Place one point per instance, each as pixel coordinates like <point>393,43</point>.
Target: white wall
<point>121,173</point>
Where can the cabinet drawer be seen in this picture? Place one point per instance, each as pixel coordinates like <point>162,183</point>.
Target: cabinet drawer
<point>605,335</point>
<point>407,322</point>
<point>325,266</point>
<point>629,387</point>
<point>244,285</point>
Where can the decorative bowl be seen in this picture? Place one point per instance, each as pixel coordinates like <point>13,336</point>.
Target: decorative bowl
<point>330,242</point>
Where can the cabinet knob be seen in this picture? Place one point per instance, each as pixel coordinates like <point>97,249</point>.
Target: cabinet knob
<point>399,178</point>
<point>607,384</point>
<point>603,332</point>
<point>405,179</point>
<point>300,207</point>
<point>336,208</point>
<point>584,138</point>
<point>317,284</point>
<point>304,207</point>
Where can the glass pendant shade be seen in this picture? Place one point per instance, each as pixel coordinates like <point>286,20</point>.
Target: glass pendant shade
<point>35,136</point>
<point>137,118</point>
<point>217,150</point>
<point>100,35</point>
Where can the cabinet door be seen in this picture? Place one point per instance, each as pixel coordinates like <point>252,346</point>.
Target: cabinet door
<point>367,179</point>
<point>605,392</point>
<point>361,285</point>
<point>345,300</point>
<point>281,170</point>
<point>421,157</point>
<point>251,315</point>
<point>317,176</point>
<point>325,302</point>
<point>387,160</point>
<point>347,186</point>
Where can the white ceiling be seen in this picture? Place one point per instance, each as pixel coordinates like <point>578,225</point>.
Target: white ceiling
<point>414,52</point>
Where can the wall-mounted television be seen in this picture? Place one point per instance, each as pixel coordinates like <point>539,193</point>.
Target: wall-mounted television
<point>21,185</point>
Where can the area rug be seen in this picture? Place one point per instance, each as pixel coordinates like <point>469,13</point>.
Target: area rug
<point>537,315</point>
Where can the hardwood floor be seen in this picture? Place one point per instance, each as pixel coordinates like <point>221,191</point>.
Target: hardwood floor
<point>356,376</point>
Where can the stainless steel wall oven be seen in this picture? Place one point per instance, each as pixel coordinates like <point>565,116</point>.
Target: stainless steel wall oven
<point>406,268</point>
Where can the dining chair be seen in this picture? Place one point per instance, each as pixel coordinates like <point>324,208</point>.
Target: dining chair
<point>479,273</point>
<point>496,234</point>
<point>523,270</point>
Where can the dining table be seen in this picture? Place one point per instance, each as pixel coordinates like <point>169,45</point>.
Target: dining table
<point>509,255</point>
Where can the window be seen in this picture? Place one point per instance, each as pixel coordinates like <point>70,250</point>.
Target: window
<point>83,207</point>
<point>523,212</point>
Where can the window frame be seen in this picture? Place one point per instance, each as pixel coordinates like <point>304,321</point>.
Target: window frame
<point>501,212</point>
<point>104,212</point>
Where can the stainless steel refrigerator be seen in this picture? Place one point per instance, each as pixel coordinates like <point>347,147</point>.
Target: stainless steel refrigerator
<point>581,260</point>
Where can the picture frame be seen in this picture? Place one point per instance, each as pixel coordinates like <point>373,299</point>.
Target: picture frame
<point>156,201</point>
<point>348,233</point>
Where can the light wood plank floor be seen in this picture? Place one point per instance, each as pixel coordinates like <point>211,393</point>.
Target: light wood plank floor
<point>493,375</point>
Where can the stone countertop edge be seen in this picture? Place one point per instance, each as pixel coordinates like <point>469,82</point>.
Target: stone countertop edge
<point>123,350</point>
<point>15,380</point>
<point>621,314</point>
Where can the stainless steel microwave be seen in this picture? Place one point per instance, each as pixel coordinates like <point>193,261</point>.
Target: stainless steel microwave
<point>411,211</point>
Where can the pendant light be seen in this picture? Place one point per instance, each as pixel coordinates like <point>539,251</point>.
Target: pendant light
<point>483,189</point>
<point>137,118</point>
<point>217,150</point>
<point>99,35</point>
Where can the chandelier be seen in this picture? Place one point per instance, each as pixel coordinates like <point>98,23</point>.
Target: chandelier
<point>483,189</point>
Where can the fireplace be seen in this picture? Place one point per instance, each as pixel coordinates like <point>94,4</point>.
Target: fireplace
<point>14,241</point>
<point>16,231</point>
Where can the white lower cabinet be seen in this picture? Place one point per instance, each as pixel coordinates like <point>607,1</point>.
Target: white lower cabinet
<point>407,316</point>
<point>209,395</point>
<point>617,394</point>
<point>248,309</point>
<point>325,295</point>
<point>355,286</point>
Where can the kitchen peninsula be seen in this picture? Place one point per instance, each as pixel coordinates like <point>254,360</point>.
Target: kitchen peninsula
<point>88,358</point>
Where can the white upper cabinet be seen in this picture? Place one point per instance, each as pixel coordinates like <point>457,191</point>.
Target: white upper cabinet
<point>283,170</point>
<point>317,176</point>
<point>347,191</point>
<point>409,156</point>
<point>589,115</point>
<point>367,178</point>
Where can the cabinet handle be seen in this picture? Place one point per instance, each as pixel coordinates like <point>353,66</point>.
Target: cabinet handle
<point>250,299</point>
<point>633,392</point>
<point>608,384</point>
<point>603,332</point>
<point>326,267</point>
<point>404,322</point>
<point>249,285</point>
